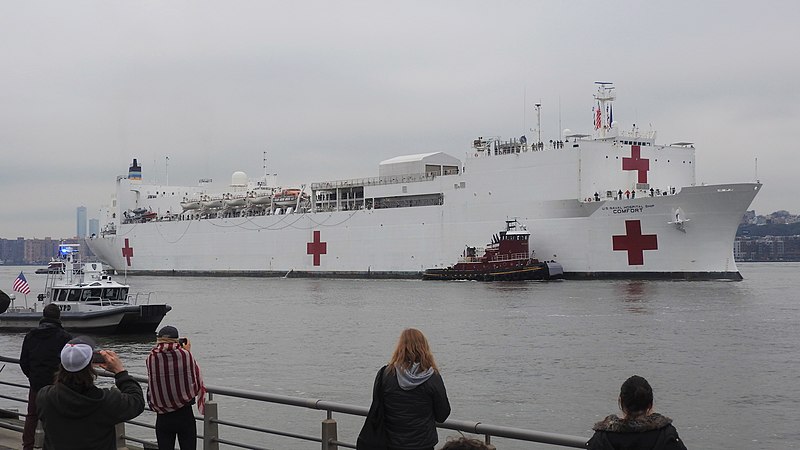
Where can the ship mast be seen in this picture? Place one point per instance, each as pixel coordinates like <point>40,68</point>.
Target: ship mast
<point>265,165</point>
<point>605,96</point>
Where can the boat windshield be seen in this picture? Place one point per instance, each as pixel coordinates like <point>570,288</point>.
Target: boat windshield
<point>90,294</point>
<point>115,294</point>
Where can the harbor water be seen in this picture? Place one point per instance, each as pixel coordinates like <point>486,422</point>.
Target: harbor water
<point>722,357</point>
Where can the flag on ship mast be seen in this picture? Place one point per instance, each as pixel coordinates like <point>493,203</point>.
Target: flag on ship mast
<point>21,285</point>
<point>597,118</point>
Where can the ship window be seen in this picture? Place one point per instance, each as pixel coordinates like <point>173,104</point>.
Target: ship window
<point>89,294</point>
<point>62,295</point>
<point>74,295</point>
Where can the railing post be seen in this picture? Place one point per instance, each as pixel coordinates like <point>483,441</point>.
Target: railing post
<point>38,436</point>
<point>119,430</point>
<point>329,434</point>
<point>210,427</point>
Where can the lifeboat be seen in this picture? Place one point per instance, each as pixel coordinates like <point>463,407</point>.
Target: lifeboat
<point>211,203</point>
<point>259,197</point>
<point>189,205</point>
<point>287,197</point>
<point>234,202</point>
<point>260,200</point>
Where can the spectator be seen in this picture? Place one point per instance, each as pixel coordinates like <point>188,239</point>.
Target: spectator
<point>75,413</point>
<point>174,381</point>
<point>639,428</point>
<point>39,360</point>
<point>465,443</point>
<point>413,394</point>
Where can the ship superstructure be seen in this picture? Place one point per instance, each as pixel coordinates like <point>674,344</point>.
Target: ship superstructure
<point>610,204</point>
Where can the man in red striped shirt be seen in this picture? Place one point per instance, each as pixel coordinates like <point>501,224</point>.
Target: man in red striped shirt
<point>174,382</point>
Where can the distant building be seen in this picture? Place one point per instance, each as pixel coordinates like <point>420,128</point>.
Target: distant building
<point>81,222</point>
<point>12,251</point>
<point>94,227</point>
<point>766,248</point>
<point>39,251</point>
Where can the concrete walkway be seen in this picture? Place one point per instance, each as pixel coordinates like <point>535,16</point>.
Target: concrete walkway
<point>10,440</point>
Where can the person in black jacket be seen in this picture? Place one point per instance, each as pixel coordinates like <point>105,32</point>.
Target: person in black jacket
<point>414,395</point>
<point>76,414</point>
<point>639,428</point>
<point>39,360</point>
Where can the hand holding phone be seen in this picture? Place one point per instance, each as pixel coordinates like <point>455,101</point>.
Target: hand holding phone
<point>98,358</point>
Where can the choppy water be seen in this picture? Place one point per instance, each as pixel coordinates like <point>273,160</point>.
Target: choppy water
<point>722,357</point>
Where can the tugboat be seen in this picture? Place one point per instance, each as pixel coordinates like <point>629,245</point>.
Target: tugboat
<point>506,258</point>
<point>89,300</point>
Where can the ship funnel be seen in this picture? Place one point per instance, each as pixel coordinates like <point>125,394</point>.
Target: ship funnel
<point>135,171</point>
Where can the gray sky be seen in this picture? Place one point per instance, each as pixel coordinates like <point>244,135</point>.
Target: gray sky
<point>331,88</point>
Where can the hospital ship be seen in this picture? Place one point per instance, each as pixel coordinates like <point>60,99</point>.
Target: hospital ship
<point>610,204</point>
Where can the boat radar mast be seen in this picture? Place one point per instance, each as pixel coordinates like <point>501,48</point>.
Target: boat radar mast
<point>603,119</point>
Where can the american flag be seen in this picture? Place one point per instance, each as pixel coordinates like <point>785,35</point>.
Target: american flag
<point>21,284</point>
<point>598,122</point>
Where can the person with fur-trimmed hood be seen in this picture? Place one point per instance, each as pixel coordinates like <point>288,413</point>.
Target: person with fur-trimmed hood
<point>639,428</point>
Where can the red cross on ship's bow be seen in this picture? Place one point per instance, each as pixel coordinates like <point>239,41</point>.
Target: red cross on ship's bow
<point>634,242</point>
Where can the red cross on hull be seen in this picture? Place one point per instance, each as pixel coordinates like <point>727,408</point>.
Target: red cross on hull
<point>636,162</point>
<point>634,242</point>
<point>316,248</point>
<point>127,252</point>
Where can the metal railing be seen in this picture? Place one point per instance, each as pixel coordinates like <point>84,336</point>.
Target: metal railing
<point>328,438</point>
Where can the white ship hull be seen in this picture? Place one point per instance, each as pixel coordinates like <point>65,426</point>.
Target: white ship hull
<point>574,197</point>
<point>404,242</point>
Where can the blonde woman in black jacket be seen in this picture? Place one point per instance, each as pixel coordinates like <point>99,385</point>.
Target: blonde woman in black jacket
<point>414,396</point>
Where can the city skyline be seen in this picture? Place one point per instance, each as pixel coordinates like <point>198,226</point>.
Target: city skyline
<point>201,89</point>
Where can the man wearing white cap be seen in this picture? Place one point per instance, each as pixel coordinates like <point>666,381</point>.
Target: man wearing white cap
<point>75,413</point>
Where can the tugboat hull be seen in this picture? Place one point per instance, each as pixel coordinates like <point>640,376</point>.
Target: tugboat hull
<point>540,271</point>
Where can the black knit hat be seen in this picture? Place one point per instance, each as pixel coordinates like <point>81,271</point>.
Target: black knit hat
<point>168,332</point>
<point>51,311</point>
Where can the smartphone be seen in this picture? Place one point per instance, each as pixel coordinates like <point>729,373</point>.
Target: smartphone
<point>98,358</point>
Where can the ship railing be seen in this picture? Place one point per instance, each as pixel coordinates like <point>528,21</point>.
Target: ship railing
<point>374,181</point>
<point>638,134</point>
<point>212,423</point>
<point>98,301</point>
<point>510,257</point>
<point>139,298</point>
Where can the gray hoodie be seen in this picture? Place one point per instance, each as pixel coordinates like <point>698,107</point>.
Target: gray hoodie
<point>410,378</point>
